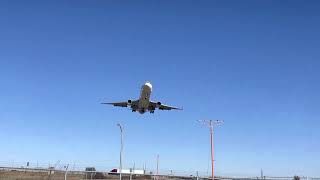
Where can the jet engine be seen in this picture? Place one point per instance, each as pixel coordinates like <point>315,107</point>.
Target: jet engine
<point>129,102</point>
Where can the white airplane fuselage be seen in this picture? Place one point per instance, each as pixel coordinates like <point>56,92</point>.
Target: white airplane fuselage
<point>144,99</point>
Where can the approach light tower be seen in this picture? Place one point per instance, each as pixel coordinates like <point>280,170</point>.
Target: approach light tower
<point>211,124</point>
<point>121,149</point>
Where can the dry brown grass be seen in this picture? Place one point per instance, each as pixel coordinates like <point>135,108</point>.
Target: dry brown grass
<point>27,175</point>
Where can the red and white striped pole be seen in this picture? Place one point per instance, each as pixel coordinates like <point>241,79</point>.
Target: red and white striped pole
<point>211,124</point>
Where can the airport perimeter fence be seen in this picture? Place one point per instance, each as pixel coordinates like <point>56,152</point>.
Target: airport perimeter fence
<point>80,169</point>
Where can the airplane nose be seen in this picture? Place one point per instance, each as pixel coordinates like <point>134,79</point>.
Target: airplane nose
<point>148,84</point>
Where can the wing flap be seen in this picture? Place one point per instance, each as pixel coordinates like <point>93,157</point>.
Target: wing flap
<point>166,107</point>
<point>119,104</point>
<point>123,104</point>
<point>163,106</point>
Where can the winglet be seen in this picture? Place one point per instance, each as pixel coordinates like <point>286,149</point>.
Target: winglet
<point>105,103</point>
<point>179,108</point>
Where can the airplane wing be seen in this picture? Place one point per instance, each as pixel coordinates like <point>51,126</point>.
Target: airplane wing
<point>120,104</point>
<point>162,106</point>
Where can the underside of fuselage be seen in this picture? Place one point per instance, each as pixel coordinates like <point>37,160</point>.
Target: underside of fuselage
<point>144,100</point>
<point>142,111</point>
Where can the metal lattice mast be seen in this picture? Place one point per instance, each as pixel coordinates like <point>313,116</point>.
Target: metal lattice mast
<point>211,124</point>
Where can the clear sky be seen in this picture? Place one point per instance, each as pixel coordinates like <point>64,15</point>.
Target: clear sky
<point>254,64</point>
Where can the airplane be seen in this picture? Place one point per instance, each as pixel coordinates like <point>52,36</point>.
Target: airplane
<point>143,104</point>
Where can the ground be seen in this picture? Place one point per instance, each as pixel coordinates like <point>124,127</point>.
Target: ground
<point>27,175</point>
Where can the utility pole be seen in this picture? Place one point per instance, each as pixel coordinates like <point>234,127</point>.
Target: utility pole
<point>121,149</point>
<point>211,124</point>
<point>145,167</point>
<point>158,166</point>
<point>132,170</point>
<point>66,172</point>
<point>197,175</point>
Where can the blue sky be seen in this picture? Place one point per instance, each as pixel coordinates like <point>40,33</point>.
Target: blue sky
<point>254,64</point>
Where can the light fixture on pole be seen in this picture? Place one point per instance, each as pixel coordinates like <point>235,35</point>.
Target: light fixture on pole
<point>121,149</point>
<point>211,124</point>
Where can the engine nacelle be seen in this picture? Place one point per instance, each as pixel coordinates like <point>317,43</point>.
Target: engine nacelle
<point>158,104</point>
<point>129,101</point>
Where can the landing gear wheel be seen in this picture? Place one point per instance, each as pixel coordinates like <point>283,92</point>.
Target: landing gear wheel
<point>152,111</point>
